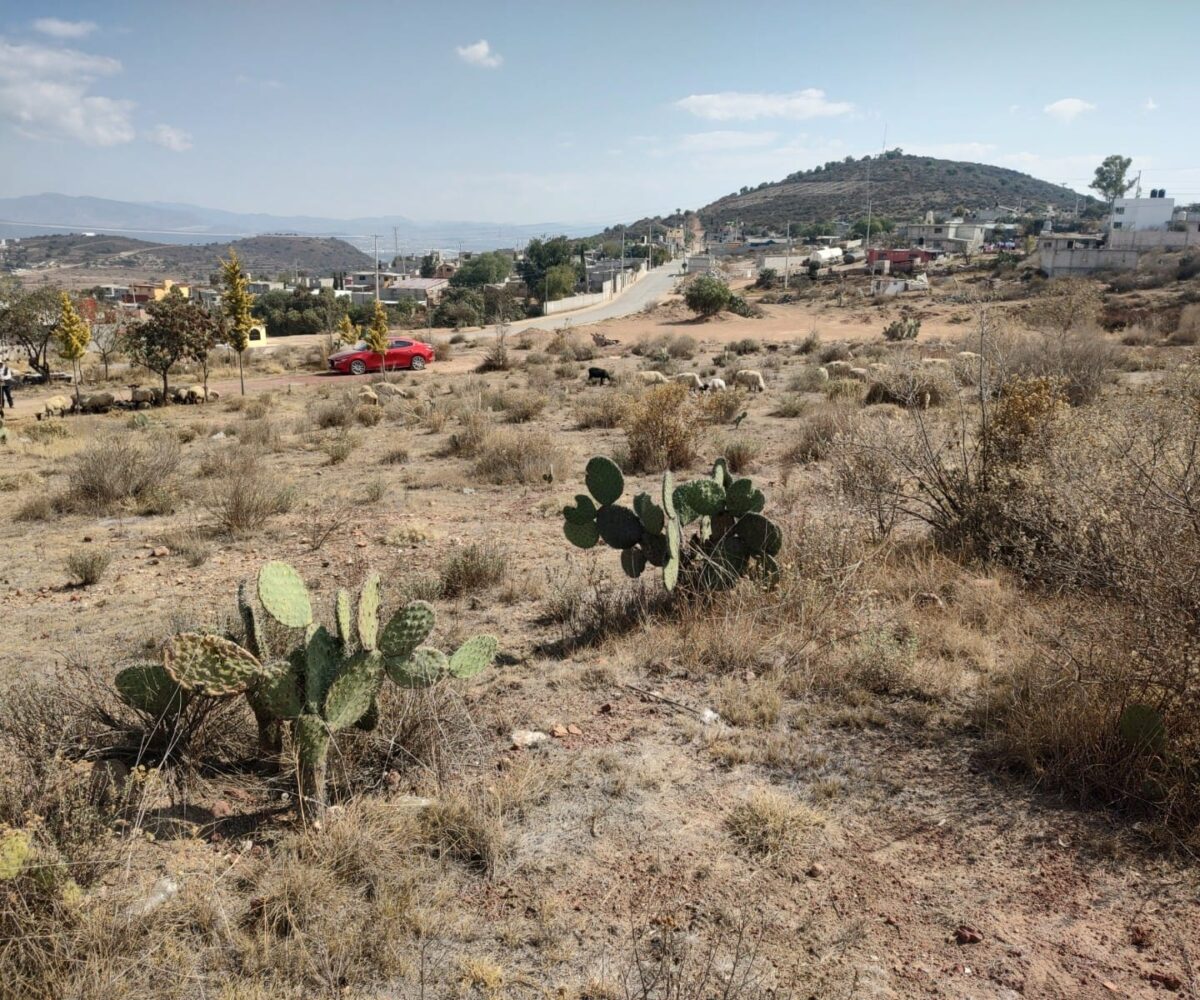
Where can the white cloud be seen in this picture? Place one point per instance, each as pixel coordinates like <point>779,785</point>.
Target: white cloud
<point>169,137</point>
<point>1068,109</point>
<point>479,54</point>
<point>705,142</point>
<point>1150,105</point>
<point>44,92</point>
<point>57,28</point>
<point>732,105</point>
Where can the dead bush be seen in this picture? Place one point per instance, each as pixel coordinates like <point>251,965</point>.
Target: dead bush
<point>474,428</point>
<point>910,385</point>
<point>722,407</point>
<point>261,435</point>
<point>471,569</point>
<point>88,565</point>
<point>606,409</point>
<point>740,453</point>
<point>662,429</point>
<point>815,436</point>
<point>124,471</point>
<point>247,495</point>
<point>338,448</point>
<point>521,405</point>
<point>510,456</point>
<point>771,823</point>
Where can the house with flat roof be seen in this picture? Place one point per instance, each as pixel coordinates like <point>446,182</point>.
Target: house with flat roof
<point>423,291</point>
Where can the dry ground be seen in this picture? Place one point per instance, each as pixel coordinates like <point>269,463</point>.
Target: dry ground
<point>827,836</point>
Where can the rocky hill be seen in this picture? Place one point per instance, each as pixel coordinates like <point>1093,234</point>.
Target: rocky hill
<point>262,255</point>
<point>902,188</point>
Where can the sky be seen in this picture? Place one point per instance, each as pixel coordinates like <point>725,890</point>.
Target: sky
<point>536,112</point>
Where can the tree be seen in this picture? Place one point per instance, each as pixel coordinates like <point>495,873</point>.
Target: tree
<point>767,278</point>
<point>107,334</point>
<point>482,269</point>
<point>500,305</point>
<point>559,282</point>
<point>878,225</point>
<point>459,307</point>
<point>71,337</point>
<point>28,321</point>
<point>1110,181</point>
<point>706,295</point>
<point>377,334</point>
<point>428,266</point>
<point>168,336</point>
<point>207,331</point>
<point>235,303</point>
<point>540,256</point>
<point>346,331</point>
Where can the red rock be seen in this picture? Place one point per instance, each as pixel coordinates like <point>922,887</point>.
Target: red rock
<point>967,935</point>
<point>558,732</point>
<point>1167,980</point>
<point>574,730</point>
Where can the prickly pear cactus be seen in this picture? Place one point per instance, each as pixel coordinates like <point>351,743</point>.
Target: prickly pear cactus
<point>282,592</point>
<point>732,537</point>
<point>209,664</point>
<point>148,688</point>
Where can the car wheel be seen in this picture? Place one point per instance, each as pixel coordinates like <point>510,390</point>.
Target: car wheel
<point>418,362</point>
<point>358,367</point>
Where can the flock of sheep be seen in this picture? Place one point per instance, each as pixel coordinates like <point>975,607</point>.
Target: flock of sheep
<point>139,399</point>
<point>745,378</point>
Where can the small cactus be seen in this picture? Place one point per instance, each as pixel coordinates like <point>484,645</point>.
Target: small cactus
<point>732,536</point>
<point>209,664</point>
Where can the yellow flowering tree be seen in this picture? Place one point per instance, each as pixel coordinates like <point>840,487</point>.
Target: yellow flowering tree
<point>346,331</point>
<point>377,334</point>
<point>72,336</point>
<point>235,304</point>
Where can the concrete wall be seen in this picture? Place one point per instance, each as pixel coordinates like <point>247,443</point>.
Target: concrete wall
<point>1154,239</point>
<point>613,287</point>
<point>1085,260</point>
<point>1143,213</point>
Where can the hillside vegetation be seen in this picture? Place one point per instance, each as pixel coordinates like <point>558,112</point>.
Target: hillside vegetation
<point>261,255</point>
<point>902,187</point>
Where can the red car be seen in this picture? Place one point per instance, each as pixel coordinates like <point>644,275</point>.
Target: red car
<point>357,360</point>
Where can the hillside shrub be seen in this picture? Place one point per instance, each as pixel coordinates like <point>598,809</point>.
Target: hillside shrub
<point>706,295</point>
<point>662,427</point>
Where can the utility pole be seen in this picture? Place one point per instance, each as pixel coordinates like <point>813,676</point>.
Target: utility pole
<point>787,260</point>
<point>395,244</point>
<point>376,238</point>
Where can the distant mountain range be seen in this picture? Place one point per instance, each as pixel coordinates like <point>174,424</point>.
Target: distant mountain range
<point>162,222</point>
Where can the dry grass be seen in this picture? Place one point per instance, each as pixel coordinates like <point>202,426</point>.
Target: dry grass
<point>520,406</point>
<point>88,565</point>
<point>771,824</point>
<point>525,457</point>
<point>604,409</point>
<point>246,495</point>
<point>662,429</point>
<point>472,569</point>
<point>124,472</point>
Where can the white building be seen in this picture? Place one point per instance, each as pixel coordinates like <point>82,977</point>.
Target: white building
<point>1141,214</point>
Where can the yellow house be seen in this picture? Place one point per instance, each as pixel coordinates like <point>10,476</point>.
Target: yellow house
<point>258,335</point>
<point>146,292</point>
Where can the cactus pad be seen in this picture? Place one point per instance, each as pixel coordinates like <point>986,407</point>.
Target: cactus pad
<point>649,513</point>
<point>406,630</point>
<point>256,640</point>
<point>633,561</point>
<point>674,545</point>
<point>584,511</point>
<point>759,533</point>
<point>277,696</point>
<point>582,536</point>
<point>703,496</point>
<point>16,848</point>
<point>311,739</point>
<point>283,594</point>
<point>426,666</point>
<point>150,689</point>
<point>210,664</point>
<point>720,474</point>
<point>1142,727</point>
<point>618,526</point>
<point>742,498</point>
<point>353,690</point>
<point>369,720</point>
<point>343,617</point>
<point>368,612</point>
<point>473,656</point>
<point>321,662</point>
<point>604,480</point>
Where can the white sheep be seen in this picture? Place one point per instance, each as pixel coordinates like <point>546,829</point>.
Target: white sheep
<point>715,385</point>
<point>95,402</point>
<point>55,406</point>
<point>860,374</point>
<point>652,378</point>
<point>690,379</point>
<point>838,369</point>
<point>751,379</point>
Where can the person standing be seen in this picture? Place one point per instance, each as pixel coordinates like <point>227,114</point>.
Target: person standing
<point>6,383</point>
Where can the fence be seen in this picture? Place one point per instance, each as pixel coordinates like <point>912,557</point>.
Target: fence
<point>611,288</point>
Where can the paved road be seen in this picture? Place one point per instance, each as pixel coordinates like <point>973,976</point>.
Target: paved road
<point>655,285</point>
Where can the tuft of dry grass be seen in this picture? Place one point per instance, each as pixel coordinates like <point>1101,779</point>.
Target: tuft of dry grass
<point>471,569</point>
<point>88,565</point>
<point>521,405</point>
<point>246,495</point>
<point>124,471</point>
<point>527,457</point>
<point>741,454</point>
<point>662,429</point>
<point>770,823</point>
<point>604,409</point>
